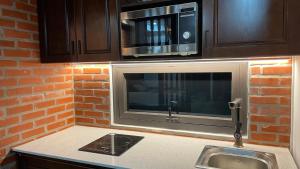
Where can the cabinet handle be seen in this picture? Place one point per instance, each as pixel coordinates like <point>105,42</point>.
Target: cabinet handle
<point>79,47</point>
<point>73,47</point>
<point>206,39</point>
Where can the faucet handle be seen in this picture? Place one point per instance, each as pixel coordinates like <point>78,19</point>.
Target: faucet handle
<point>238,137</point>
<point>236,103</point>
<point>238,140</point>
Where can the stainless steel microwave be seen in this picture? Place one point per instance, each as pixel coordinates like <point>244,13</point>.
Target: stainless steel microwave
<point>166,30</point>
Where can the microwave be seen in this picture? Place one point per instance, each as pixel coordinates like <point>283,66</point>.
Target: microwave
<point>160,31</point>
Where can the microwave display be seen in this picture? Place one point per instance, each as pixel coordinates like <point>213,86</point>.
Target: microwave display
<point>168,30</point>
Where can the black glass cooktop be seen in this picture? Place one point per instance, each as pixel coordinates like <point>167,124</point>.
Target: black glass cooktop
<point>112,144</point>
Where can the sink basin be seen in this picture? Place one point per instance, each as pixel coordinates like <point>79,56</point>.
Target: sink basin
<point>213,157</point>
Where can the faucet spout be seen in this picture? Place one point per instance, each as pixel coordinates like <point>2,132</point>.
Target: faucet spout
<point>236,106</point>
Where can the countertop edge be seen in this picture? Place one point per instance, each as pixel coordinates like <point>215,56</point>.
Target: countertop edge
<point>67,159</point>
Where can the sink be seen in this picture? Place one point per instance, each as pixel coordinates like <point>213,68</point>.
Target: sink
<point>213,157</point>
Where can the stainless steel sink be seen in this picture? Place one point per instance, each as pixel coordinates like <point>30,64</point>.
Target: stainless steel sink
<point>213,157</point>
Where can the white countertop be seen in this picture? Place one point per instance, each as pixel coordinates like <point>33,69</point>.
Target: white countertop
<point>155,151</point>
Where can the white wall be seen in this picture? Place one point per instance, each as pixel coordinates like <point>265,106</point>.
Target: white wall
<point>295,141</point>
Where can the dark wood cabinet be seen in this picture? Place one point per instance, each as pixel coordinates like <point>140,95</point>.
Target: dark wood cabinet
<point>78,30</point>
<point>249,28</point>
<point>25,161</point>
<point>97,30</point>
<point>88,30</point>
<point>243,22</point>
<point>56,21</point>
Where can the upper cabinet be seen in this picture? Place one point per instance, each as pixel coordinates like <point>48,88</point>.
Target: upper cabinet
<point>88,30</point>
<point>97,30</point>
<point>56,20</point>
<point>78,30</point>
<point>248,28</point>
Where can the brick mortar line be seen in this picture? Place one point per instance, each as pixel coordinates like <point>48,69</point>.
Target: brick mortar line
<point>20,30</point>
<point>33,94</point>
<point>270,77</point>
<point>38,85</point>
<point>34,108</point>
<point>272,105</point>
<point>13,7</point>
<point>268,95</point>
<point>34,127</point>
<point>15,27</point>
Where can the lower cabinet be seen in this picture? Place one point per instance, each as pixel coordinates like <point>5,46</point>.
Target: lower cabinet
<point>26,161</point>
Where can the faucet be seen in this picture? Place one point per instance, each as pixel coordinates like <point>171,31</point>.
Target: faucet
<point>235,105</point>
<point>171,107</point>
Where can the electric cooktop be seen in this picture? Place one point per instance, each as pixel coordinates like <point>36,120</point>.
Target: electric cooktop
<point>112,144</point>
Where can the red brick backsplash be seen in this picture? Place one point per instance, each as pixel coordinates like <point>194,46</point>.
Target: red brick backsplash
<point>91,85</point>
<point>35,99</point>
<point>270,102</point>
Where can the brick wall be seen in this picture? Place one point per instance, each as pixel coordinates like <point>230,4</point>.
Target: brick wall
<point>91,84</point>
<point>270,102</point>
<point>35,99</point>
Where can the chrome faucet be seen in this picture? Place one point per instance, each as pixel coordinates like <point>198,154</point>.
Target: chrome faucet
<point>172,107</point>
<point>235,105</point>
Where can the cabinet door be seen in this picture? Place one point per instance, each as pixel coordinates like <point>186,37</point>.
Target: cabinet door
<point>25,161</point>
<point>56,18</point>
<point>294,27</point>
<point>97,30</point>
<point>207,27</point>
<point>249,28</point>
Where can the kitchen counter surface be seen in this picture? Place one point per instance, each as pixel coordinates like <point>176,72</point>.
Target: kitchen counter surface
<point>155,151</point>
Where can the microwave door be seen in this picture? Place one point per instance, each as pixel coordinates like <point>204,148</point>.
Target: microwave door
<point>150,36</point>
<point>151,32</point>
